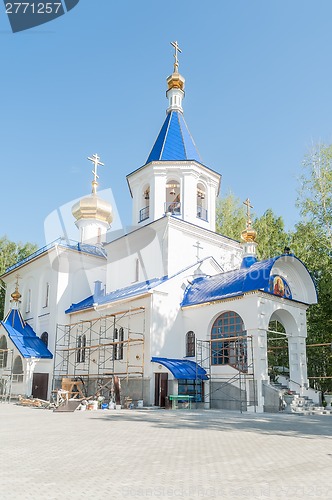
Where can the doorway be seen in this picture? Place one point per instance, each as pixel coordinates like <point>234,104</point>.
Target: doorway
<point>160,389</point>
<point>40,385</point>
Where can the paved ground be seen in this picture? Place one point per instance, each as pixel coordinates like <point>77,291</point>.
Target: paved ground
<point>115,454</point>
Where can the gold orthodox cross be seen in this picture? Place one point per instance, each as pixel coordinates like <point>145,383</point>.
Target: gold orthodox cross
<point>95,160</point>
<point>247,204</point>
<point>177,49</point>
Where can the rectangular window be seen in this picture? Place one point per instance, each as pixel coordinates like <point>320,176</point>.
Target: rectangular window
<point>193,388</point>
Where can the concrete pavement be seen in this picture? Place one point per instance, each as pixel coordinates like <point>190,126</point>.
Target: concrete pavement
<point>147,453</point>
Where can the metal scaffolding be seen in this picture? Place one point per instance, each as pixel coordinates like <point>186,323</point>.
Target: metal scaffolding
<point>93,352</point>
<point>6,374</point>
<point>230,391</point>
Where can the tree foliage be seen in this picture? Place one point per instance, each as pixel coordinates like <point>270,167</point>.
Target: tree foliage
<point>230,216</point>
<point>10,253</point>
<point>231,221</point>
<point>312,240</point>
<point>271,235</point>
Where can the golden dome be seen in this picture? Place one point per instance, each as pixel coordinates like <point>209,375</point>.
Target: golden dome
<point>16,294</point>
<point>175,81</point>
<point>249,235</point>
<point>93,207</point>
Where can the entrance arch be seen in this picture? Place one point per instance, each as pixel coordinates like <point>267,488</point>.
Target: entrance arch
<point>294,349</point>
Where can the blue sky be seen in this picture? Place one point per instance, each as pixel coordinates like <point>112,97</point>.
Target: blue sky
<point>258,96</point>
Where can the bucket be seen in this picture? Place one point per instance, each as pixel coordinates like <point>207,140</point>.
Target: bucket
<point>118,407</point>
<point>111,405</point>
<point>140,403</point>
<point>104,406</point>
<point>93,405</point>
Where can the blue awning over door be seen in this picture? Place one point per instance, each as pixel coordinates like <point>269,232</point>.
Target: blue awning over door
<point>182,368</point>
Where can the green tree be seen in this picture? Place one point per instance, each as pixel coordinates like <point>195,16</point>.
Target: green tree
<point>230,216</point>
<point>271,235</point>
<point>231,221</point>
<point>10,253</point>
<point>312,243</point>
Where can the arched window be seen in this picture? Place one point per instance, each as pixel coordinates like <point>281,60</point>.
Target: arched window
<point>115,346</point>
<point>3,352</point>
<point>83,348</point>
<point>229,342</point>
<point>44,338</point>
<point>18,369</point>
<point>80,352</point>
<point>190,344</point>
<point>121,338</point>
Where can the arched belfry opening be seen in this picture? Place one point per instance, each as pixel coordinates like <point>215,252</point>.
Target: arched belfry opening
<point>201,202</point>
<point>144,212</point>
<point>173,197</point>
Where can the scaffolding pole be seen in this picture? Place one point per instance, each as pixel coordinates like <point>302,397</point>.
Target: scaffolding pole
<point>243,378</point>
<point>95,351</point>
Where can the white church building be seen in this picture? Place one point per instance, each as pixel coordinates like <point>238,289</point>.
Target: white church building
<point>171,308</point>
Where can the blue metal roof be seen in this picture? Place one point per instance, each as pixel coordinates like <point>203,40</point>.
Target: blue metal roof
<point>65,243</point>
<point>182,368</point>
<point>23,337</point>
<point>174,141</point>
<point>231,284</point>
<point>122,293</point>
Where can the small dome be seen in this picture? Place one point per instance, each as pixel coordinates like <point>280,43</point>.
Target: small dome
<point>249,235</point>
<point>175,81</point>
<point>93,207</point>
<point>16,295</point>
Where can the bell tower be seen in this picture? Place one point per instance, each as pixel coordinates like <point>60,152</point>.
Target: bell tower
<point>174,181</point>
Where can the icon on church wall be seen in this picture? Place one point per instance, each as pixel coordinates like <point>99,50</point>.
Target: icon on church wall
<point>26,15</point>
<point>279,286</point>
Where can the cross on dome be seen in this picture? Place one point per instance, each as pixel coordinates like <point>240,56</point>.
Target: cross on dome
<point>249,234</point>
<point>16,294</point>
<point>95,160</point>
<point>247,204</point>
<point>176,50</point>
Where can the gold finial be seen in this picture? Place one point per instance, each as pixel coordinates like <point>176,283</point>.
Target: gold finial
<point>95,160</point>
<point>249,234</point>
<point>175,80</point>
<point>176,49</point>
<point>16,295</point>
